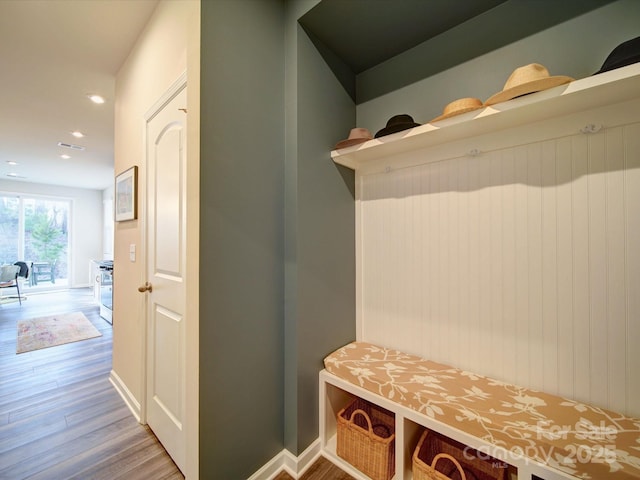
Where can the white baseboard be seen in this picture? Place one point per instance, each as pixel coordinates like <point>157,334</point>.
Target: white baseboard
<point>286,461</point>
<point>306,458</point>
<point>126,394</point>
<point>270,469</point>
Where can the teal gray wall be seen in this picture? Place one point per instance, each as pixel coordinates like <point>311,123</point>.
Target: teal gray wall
<point>277,215</point>
<point>241,239</point>
<point>320,239</point>
<point>277,233</point>
<point>503,25</point>
<point>577,48</point>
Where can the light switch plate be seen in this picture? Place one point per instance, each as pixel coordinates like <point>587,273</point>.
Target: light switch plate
<point>132,252</point>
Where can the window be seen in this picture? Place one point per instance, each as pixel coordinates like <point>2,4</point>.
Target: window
<point>36,230</point>
<point>9,229</point>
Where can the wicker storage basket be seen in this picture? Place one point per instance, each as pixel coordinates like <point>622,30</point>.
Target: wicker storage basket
<point>440,458</point>
<point>366,438</point>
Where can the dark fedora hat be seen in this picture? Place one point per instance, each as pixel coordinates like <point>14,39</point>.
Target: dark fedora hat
<point>624,54</point>
<point>397,123</point>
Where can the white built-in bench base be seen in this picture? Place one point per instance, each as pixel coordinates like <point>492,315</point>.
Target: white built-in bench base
<point>541,436</point>
<point>335,393</point>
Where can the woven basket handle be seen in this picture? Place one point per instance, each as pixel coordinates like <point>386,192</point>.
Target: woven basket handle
<point>453,460</point>
<point>364,414</point>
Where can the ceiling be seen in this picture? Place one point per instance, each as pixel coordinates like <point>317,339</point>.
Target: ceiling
<point>364,33</point>
<point>55,52</point>
<point>420,38</point>
<point>52,54</point>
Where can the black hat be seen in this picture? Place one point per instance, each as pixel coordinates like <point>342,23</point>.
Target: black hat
<point>624,54</point>
<point>397,123</point>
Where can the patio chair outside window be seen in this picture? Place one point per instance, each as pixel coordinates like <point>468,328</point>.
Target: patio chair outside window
<point>9,275</point>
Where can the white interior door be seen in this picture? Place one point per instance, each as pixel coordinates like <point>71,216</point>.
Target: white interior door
<point>165,287</point>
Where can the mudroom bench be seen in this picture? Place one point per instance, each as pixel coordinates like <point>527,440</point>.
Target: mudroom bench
<point>535,434</point>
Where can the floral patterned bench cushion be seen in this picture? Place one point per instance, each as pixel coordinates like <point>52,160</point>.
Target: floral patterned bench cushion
<point>582,440</point>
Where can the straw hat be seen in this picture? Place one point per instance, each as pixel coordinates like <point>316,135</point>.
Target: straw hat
<point>397,123</point>
<point>356,136</point>
<point>527,79</point>
<point>457,107</point>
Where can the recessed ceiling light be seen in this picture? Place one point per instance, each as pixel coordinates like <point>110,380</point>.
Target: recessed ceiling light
<point>77,134</point>
<point>65,156</point>
<point>15,175</point>
<point>96,98</point>
<point>11,162</point>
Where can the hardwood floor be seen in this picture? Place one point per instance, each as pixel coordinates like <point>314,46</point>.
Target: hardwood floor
<point>60,418</point>
<point>322,469</point>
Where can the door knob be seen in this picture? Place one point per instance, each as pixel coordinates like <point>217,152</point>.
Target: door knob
<point>147,287</point>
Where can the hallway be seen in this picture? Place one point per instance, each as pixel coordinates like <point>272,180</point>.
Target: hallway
<point>60,417</point>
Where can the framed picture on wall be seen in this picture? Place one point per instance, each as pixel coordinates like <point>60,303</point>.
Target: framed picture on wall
<point>126,195</point>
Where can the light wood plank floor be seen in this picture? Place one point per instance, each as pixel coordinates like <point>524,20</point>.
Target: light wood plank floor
<point>60,418</point>
<point>322,469</point>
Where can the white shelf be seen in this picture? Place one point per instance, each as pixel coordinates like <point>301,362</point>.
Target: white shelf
<point>593,92</point>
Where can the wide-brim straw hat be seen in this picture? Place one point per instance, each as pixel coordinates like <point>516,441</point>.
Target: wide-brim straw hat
<point>458,107</point>
<point>397,123</point>
<point>356,136</point>
<point>527,79</point>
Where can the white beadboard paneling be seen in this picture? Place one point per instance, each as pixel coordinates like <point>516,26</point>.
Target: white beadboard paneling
<point>509,259</point>
<point>423,255</point>
<point>522,268</point>
<point>522,263</point>
<point>453,268</point>
<point>564,267</point>
<point>549,249</point>
<point>414,312</point>
<point>632,264</point>
<point>483,334</point>
<point>616,267</point>
<point>475,254</point>
<point>464,249</point>
<point>433,286</point>
<point>442,266</point>
<point>495,292</point>
<point>534,256</point>
<point>597,269</point>
<point>359,247</point>
<point>580,223</point>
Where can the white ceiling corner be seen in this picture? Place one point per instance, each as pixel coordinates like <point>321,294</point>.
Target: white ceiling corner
<point>53,53</point>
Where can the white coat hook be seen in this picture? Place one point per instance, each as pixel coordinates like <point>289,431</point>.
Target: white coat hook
<point>591,128</point>
<point>474,152</point>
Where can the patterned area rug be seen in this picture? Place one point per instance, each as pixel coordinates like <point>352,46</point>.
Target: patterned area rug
<point>44,332</point>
